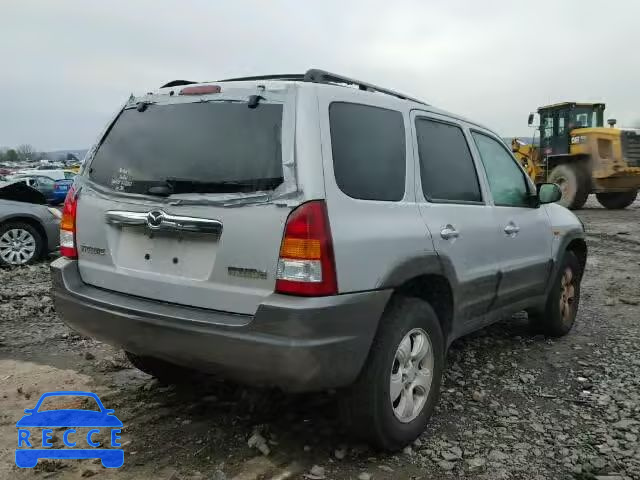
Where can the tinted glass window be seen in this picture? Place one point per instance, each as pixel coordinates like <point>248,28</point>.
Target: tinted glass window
<point>201,147</point>
<point>446,166</point>
<point>547,125</point>
<point>561,129</point>
<point>368,145</point>
<point>45,181</point>
<point>506,179</point>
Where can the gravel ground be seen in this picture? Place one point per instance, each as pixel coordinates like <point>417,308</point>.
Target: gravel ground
<point>514,405</point>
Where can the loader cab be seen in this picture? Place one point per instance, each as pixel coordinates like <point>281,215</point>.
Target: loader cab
<point>557,121</point>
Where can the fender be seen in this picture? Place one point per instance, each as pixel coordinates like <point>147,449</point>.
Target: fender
<point>565,240</point>
<point>429,263</point>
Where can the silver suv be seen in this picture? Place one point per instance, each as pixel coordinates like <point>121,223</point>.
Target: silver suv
<point>309,232</point>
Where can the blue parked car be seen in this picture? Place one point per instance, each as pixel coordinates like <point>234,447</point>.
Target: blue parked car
<point>60,189</point>
<point>29,441</point>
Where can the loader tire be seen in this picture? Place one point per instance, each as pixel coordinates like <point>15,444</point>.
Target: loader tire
<point>574,182</point>
<point>617,200</point>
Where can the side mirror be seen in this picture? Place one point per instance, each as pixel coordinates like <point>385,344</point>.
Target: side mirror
<point>548,193</point>
<point>530,121</point>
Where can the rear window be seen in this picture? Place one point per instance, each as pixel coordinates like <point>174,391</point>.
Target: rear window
<point>193,147</point>
<point>368,145</point>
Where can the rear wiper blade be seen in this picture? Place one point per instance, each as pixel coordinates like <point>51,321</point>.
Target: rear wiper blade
<point>172,186</point>
<point>160,190</point>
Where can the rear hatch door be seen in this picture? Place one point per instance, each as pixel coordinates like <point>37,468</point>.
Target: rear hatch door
<point>179,203</point>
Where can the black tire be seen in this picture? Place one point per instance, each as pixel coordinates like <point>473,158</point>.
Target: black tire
<point>551,321</point>
<point>166,372</point>
<point>39,241</point>
<point>574,181</point>
<point>617,200</point>
<point>366,406</point>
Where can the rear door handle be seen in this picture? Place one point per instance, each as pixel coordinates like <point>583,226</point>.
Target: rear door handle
<point>511,229</point>
<point>448,232</point>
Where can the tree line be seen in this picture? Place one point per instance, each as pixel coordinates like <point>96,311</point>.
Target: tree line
<point>22,153</point>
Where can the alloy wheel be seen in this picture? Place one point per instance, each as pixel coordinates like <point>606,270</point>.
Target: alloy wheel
<point>567,295</point>
<point>17,246</point>
<point>411,375</point>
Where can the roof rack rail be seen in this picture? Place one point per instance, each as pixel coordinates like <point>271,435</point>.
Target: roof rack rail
<point>283,76</point>
<point>177,83</point>
<point>313,75</point>
<point>322,76</point>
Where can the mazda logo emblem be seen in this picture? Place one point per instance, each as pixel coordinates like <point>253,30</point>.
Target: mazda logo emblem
<point>154,219</point>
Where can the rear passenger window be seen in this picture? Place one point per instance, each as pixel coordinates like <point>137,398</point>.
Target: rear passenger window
<point>446,166</point>
<point>368,145</point>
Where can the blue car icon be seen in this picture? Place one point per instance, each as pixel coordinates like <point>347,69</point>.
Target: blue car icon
<point>70,419</point>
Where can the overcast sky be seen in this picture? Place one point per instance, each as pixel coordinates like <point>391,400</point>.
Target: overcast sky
<point>68,64</point>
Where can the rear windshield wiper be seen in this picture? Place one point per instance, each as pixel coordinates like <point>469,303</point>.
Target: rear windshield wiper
<point>173,186</point>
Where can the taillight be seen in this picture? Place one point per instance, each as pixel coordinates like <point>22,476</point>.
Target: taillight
<point>306,265</point>
<point>68,225</point>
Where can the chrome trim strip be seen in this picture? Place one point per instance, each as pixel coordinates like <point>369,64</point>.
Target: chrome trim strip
<point>117,217</point>
<point>159,220</point>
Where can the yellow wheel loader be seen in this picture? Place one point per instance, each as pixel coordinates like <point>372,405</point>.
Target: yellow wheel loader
<point>582,156</point>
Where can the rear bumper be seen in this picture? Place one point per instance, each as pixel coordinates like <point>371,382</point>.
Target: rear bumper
<point>297,344</point>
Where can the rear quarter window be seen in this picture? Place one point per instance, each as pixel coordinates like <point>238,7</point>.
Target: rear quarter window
<point>368,146</point>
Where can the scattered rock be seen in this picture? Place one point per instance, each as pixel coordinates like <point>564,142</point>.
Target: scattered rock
<point>538,427</point>
<point>316,473</point>
<point>457,451</point>
<point>89,356</point>
<point>218,475</point>
<point>340,453</point>
<point>364,476</point>
<point>625,424</point>
<point>497,456</point>
<point>476,463</point>
<point>478,396</point>
<point>447,466</point>
<point>258,442</point>
<point>527,378</point>
<point>449,456</point>
<point>87,472</point>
